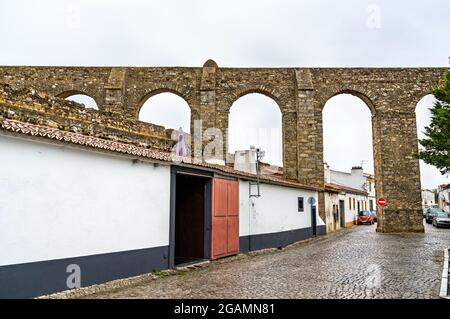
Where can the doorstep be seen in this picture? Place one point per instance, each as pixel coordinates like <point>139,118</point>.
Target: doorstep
<point>193,265</point>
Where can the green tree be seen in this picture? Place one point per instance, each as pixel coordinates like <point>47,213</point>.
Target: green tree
<point>436,145</point>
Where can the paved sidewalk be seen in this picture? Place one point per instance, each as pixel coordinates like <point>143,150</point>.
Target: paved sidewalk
<point>355,263</point>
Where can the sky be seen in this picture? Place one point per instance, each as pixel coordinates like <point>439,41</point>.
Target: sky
<point>238,33</point>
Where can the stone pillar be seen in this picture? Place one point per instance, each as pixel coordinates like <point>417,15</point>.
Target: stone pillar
<point>309,137</point>
<point>207,108</point>
<point>397,171</point>
<point>290,145</point>
<point>114,91</point>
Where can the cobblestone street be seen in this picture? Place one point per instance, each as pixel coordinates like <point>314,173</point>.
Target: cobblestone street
<point>355,263</point>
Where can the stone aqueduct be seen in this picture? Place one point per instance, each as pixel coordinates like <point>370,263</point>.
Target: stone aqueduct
<point>301,93</point>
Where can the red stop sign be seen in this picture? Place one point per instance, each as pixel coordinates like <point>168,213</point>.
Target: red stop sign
<point>382,201</point>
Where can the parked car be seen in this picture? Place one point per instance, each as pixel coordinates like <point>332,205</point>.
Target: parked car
<point>431,213</point>
<point>374,215</point>
<point>365,217</point>
<point>424,212</point>
<point>442,219</point>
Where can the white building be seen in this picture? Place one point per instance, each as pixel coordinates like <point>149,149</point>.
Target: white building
<point>370,189</point>
<point>342,205</point>
<point>354,179</point>
<point>428,198</point>
<point>444,197</point>
<point>346,194</point>
<point>111,210</point>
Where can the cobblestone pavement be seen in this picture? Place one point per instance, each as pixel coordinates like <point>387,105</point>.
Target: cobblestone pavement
<point>354,263</point>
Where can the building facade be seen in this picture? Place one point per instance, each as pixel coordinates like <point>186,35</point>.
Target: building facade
<point>370,189</point>
<point>444,197</point>
<point>111,210</point>
<point>428,198</point>
<point>346,194</point>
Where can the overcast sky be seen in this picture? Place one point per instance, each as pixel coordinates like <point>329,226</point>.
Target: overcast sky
<point>240,33</point>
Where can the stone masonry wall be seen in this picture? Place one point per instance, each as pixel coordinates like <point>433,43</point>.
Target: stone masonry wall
<point>301,93</point>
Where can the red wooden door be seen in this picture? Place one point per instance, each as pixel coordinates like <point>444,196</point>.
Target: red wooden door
<point>225,218</point>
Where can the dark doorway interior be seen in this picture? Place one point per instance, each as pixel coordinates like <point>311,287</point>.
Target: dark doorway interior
<point>313,220</point>
<point>191,222</point>
<point>342,212</point>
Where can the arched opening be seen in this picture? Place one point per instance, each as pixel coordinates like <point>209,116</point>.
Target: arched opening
<point>81,98</point>
<point>256,120</point>
<point>349,161</point>
<point>168,110</point>
<point>430,176</point>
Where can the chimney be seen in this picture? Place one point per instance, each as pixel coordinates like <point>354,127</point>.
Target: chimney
<point>245,161</point>
<point>358,176</point>
<point>327,172</point>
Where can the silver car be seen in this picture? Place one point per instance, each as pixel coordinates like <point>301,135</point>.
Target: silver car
<point>441,219</point>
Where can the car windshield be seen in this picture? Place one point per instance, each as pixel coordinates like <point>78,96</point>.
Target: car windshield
<point>442,215</point>
<point>436,211</point>
<point>364,213</point>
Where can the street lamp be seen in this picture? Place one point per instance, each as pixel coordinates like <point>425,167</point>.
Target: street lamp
<point>259,156</point>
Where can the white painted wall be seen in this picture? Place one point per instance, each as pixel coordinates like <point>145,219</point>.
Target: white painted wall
<point>59,202</point>
<point>428,198</point>
<point>330,200</point>
<point>351,214</point>
<point>275,211</point>
<point>355,179</point>
<point>444,200</point>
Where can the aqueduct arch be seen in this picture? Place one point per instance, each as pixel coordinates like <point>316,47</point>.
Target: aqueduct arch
<point>76,93</point>
<point>179,105</point>
<point>391,93</point>
<point>268,106</point>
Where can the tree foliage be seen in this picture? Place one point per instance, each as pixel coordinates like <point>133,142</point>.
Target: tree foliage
<point>436,145</point>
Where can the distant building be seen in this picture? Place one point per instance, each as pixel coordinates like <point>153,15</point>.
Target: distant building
<point>444,197</point>
<point>346,194</point>
<point>428,198</point>
<point>342,205</point>
<point>370,189</point>
<point>245,161</point>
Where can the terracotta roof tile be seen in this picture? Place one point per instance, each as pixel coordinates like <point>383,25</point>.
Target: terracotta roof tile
<point>332,187</point>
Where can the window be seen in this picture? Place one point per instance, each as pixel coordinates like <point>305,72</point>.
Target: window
<point>301,207</point>
<point>350,204</point>
<point>354,203</point>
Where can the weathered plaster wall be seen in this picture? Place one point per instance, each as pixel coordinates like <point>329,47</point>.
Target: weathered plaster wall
<point>275,211</point>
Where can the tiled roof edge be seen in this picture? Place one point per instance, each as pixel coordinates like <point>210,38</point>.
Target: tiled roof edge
<point>124,148</point>
<point>337,188</point>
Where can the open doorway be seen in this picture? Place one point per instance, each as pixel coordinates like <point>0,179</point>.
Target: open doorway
<point>342,213</point>
<point>192,218</point>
